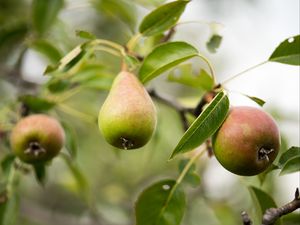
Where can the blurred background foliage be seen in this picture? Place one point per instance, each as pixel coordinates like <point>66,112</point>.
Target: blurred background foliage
<point>101,184</point>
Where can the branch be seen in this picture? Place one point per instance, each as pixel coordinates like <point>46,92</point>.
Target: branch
<point>168,36</point>
<point>246,218</point>
<point>173,104</point>
<point>273,214</point>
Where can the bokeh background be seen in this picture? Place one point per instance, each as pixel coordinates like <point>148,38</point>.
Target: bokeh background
<point>251,30</point>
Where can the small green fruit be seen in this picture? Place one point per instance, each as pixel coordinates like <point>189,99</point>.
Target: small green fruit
<point>127,118</point>
<point>37,138</point>
<point>247,142</point>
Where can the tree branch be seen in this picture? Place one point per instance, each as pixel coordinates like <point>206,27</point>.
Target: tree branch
<point>246,219</point>
<point>168,36</point>
<point>173,104</point>
<point>273,214</point>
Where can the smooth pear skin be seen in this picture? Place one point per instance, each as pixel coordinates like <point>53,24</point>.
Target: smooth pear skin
<point>237,144</point>
<point>41,129</point>
<point>127,118</point>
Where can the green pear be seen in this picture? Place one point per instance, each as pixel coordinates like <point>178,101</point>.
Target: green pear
<point>127,118</point>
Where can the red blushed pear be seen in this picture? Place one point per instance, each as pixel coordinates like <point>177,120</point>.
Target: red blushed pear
<point>247,142</point>
<point>37,138</point>
<point>127,118</point>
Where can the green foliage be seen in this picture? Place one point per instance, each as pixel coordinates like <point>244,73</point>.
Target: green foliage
<point>259,101</point>
<point>90,174</point>
<point>36,104</point>
<point>9,210</point>
<point>262,202</point>
<point>164,57</point>
<point>191,177</point>
<point>214,43</point>
<point>205,125</point>
<point>163,203</point>
<point>184,74</point>
<point>44,13</point>
<point>288,52</point>
<point>119,9</point>
<point>40,173</point>
<point>47,49</point>
<point>162,18</point>
<point>291,166</point>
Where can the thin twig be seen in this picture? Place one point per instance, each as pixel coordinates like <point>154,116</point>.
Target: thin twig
<point>168,36</point>
<point>246,219</point>
<point>271,215</point>
<point>174,104</point>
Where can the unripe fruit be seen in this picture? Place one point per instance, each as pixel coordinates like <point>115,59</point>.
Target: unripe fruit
<point>127,118</point>
<point>37,138</point>
<point>247,142</point>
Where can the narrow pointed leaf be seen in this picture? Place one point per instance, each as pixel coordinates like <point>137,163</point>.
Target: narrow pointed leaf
<point>163,203</point>
<point>47,49</point>
<point>288,52</point>
<point>85,34</point>
<point>40,173</point>
<point>257,100</point>
<point>214,43</point>
<point>164,57</point>
<point>291,166</point>
<point>44,13</point>
<point>290,153</point>
<point>162,18</point>
<point>205,125</point>
<point>262,201</point>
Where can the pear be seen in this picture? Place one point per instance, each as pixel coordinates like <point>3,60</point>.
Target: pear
<point>127,118</point>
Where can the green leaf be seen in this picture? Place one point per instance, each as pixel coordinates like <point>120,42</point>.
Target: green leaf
<point>9,210</point>
<point>164,57</point>
<point>262,201</point>
<point>36,104</point>
<point>82,184</point>
<point>163,203</point>
<point>162,18</point>
<point>184,74</point>
<point>85,34</point>
<point>291,219</point>
<point>68,61</point>
<point>287,155</point>
<point>47,49</point>
<point>205,125</point>
<point>71,139</point>
<point>7,163</point>
<point>40,173</point>
<point>191,177</point>
<point>214,43</point>
<point>57,85</point>
<point>93,76</point>
<point>44,13</point>
<point>11,34</point>
<point>291,166</point>
<point>122,10</point>
<point>288,52</point>
<point>257,100</point>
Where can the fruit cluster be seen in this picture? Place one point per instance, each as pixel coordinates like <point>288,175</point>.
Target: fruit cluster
<point>247,142</point>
